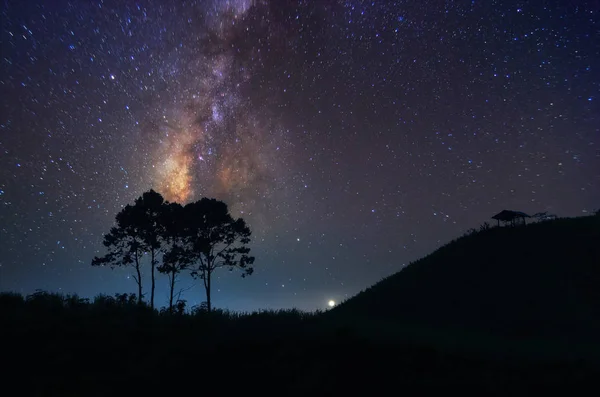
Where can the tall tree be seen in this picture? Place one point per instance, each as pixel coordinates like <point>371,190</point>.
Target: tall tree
<point>140,229</point>
<point>174,259</point>
<point>125,246</point>
<point>173,264</point>
<point>214,239</point>
<point>149,217</point>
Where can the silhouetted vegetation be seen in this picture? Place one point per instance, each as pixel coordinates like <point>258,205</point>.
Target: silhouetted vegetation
<point>201,237</point>
<point>208,238</point>
<point>499,311</point>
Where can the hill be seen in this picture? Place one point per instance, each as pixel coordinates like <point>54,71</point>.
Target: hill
<point>536,285</point>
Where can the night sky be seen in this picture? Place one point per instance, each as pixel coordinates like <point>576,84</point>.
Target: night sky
<point>353,136</point>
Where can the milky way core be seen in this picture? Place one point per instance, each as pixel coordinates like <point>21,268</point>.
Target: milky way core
<point>174,174</point>
<point>209,142</point>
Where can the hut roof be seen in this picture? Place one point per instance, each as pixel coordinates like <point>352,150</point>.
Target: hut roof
<point>508,215</point>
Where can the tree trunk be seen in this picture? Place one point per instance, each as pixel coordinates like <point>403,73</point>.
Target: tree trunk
<point>139,278</point>
<point>171,292</point>
<point>207,286</point>
<point>152,254</point>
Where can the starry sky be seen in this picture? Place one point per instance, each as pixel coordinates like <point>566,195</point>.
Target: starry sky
<point>353,136</point>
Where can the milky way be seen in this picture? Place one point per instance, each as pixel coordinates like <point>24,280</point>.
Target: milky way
<point>353,136</point>
<point>210,142</point>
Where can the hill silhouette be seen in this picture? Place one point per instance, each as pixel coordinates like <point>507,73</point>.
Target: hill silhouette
<point>537,282</point>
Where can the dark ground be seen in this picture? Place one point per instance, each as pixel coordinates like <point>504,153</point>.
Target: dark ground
<point>271,356</point>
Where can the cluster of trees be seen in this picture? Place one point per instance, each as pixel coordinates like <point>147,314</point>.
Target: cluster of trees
<point>199,237</point>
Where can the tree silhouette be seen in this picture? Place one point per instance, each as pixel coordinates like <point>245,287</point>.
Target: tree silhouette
<point>140,229</point>
<point>213,239</point>
<point>125,245</point>
<point>149,215</point>
<point>202,237</point>
<point>174,262</point>
<point>174,258</point>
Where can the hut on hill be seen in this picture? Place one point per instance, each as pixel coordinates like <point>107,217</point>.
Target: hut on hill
<point>512,217</point>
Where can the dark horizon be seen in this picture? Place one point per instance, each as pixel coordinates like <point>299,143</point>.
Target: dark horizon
<point>353,137</point>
